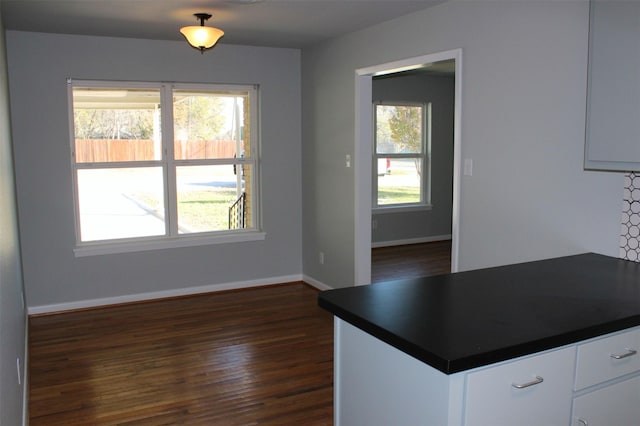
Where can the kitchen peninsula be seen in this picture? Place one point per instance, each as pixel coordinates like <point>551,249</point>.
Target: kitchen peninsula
<point>552,342</point>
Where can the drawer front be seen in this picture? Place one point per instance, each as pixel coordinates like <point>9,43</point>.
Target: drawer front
<point>607,358</point>
<point>615,405</point>
<point>533,391</point>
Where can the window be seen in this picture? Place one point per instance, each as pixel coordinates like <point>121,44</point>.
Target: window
<point>163,161</point>
<point>401,155</point>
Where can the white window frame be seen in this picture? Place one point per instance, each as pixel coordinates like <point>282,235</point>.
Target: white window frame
<point>425,182</point>
<point>168,163</point>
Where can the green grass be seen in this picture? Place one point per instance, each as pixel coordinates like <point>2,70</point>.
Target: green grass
<point>398,195</point>
<point>206,210</point>
<point>198,211</point>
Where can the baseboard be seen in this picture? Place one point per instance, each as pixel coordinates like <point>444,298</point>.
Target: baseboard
<point>407,241</point>
<point>315,283</point>
<point>93,303</point>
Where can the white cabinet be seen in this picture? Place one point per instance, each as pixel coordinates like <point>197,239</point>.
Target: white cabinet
<point>531,391</point>
<point>614,405</point>
<point>605,396</point>
<point>594,383</point>
<point>613,95</point>
<point>376,384</point>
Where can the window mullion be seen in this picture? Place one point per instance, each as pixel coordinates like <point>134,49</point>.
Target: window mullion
<point>374,160</point>
<point>117,164</point>
<point>253,125</point>
<point>426,169</point>
<point>171,201</point>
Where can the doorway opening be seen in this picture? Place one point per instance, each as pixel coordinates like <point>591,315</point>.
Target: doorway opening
<point>443,62</point>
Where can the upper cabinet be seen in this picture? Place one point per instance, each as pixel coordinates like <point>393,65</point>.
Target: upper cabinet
<point>613,95</point>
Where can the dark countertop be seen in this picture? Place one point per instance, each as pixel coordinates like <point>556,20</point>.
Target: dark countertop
<point>456,322</point>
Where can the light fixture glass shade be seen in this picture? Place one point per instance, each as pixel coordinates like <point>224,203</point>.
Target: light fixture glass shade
<point>201,37</point>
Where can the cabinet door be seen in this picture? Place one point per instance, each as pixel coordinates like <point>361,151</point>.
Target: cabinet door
<point>534,391</point>
<point>617,404</point>
<point>613,94</point>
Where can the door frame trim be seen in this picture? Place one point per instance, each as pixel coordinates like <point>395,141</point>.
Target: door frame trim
<point>363,154</point>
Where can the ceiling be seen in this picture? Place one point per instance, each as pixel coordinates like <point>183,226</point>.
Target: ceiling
<point>276,23</point>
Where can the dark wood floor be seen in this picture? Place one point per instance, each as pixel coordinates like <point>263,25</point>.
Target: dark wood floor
<point>251,357</point>
<point>409,261</point>
<point>260,356</point>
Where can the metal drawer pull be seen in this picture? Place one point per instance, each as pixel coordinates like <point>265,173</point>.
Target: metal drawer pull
<point>630,352</point>
<point>583,422</point>
<point>537,381</point>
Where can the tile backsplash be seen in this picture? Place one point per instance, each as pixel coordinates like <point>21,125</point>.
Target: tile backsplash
<point>630,229</point>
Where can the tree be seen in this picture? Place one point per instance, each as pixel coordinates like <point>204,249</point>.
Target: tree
<point>199,117</point>
<point>405,123</point>
<point>90,123</point>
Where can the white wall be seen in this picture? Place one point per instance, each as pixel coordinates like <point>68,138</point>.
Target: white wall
<point>12,309</point>
<point>523,102</point>
<point>523,117</point>
<point>422,225</point>
<point>39,65</point>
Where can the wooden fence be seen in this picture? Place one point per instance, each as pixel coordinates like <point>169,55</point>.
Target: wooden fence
<point>112,150</point>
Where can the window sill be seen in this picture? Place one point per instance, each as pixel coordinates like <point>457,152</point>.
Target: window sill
<point>101,248</point>
<point>401,209</point>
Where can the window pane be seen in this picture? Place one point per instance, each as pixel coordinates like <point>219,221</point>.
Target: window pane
<point>210,125</point>
<point>116,124</point>
<point>399,129</point>
<point>120,203</point>
<point>402,185</point>
<point>211,198</point>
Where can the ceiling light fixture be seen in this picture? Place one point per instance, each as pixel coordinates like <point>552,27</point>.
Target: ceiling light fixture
<point>201,37</point>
